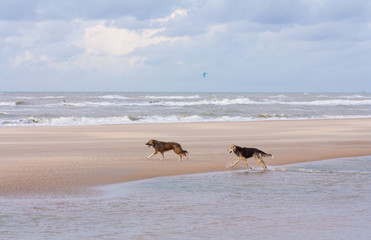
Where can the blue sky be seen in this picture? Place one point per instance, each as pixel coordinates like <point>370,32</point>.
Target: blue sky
<point>243,45</point>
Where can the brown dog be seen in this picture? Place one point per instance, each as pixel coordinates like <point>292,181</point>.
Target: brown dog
<point>166,146</point>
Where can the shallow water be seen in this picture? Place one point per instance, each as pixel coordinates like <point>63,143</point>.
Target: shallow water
<point>317,200</point>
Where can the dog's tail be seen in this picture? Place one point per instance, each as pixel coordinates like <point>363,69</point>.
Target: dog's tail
<point>185,152</point>
<point>180,149</point>
<point>263,154</point>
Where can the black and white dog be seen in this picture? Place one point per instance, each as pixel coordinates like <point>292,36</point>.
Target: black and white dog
<point>245,153</point>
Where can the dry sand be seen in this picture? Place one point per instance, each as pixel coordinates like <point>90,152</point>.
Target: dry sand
<point>35,160</point>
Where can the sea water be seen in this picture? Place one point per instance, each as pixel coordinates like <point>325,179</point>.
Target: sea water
<point>60,109</point>
<point>316,200</point>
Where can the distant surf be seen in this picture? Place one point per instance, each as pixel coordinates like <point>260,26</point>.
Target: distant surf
<point>70,109</point>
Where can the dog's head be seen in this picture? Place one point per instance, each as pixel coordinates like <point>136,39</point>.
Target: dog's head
<point>151,143</point>
<point>232,149</point>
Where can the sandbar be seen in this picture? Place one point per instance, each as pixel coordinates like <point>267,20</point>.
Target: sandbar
<point>69,159</point>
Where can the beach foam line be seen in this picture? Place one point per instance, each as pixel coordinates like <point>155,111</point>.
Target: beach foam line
<point>113,97</point>
<point>184,101</point>
<point>7,103</point>
<point>132,119</point>
<point>172,97</point>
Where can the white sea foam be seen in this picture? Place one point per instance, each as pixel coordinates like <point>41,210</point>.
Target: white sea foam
<point>7,103</point>
<point>113,97</point>
<point>345,116</point>
<point>129,119</point>
<point>53,97</point>
<point>71,121</point>
<point>91,104</point>
<point>215,101</point>
<point>172,97</point>
<point>281,96</point>
<point>109,108</point>
<point>354,96</point>
<point>211,102</point>
<point>247,101</point>
<point>165,103</point>
<point>332,102</point>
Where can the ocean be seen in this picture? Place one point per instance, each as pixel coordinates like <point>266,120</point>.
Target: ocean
<point>72,109</point>
<point>327,199</point>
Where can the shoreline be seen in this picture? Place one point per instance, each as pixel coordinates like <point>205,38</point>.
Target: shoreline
<point>69,159</point>
<point>257,119</point>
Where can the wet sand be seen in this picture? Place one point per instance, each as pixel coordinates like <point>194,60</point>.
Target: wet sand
<point>37,160</point>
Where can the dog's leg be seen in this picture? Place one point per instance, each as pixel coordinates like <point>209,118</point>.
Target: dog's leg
<point>180,157</point>
<point>260,161</point>
<point>265,166</point>
<point>247,165</point>
<point>238,159</point>
<point>163,157</point>
<point>152,154</point>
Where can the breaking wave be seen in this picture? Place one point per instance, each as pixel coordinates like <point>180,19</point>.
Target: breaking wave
<point>132,119</point>
<point>172,97</point>
<point>113,97</point>
<point>331,102</point>
<point>222,102</point>
<point>72,121</point>
<point>40,109</point>
<point>7,104</point>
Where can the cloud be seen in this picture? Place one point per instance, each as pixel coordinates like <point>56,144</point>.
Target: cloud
<point>25,57</point>
<point>173,15</point>
<point>234,41</point>
<point>110,40</point>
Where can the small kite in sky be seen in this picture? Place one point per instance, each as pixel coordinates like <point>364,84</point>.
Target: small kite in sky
<point>204,75</point>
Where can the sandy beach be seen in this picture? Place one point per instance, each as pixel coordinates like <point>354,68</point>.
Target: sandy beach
<point>70,159</point>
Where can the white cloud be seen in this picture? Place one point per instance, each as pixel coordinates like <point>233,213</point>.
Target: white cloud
<point>173,15</point>
<point>20,59</point>
<point>110,40</point>
<point>28,59</point>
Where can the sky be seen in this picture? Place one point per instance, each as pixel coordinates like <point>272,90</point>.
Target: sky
<point>167,45</point>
